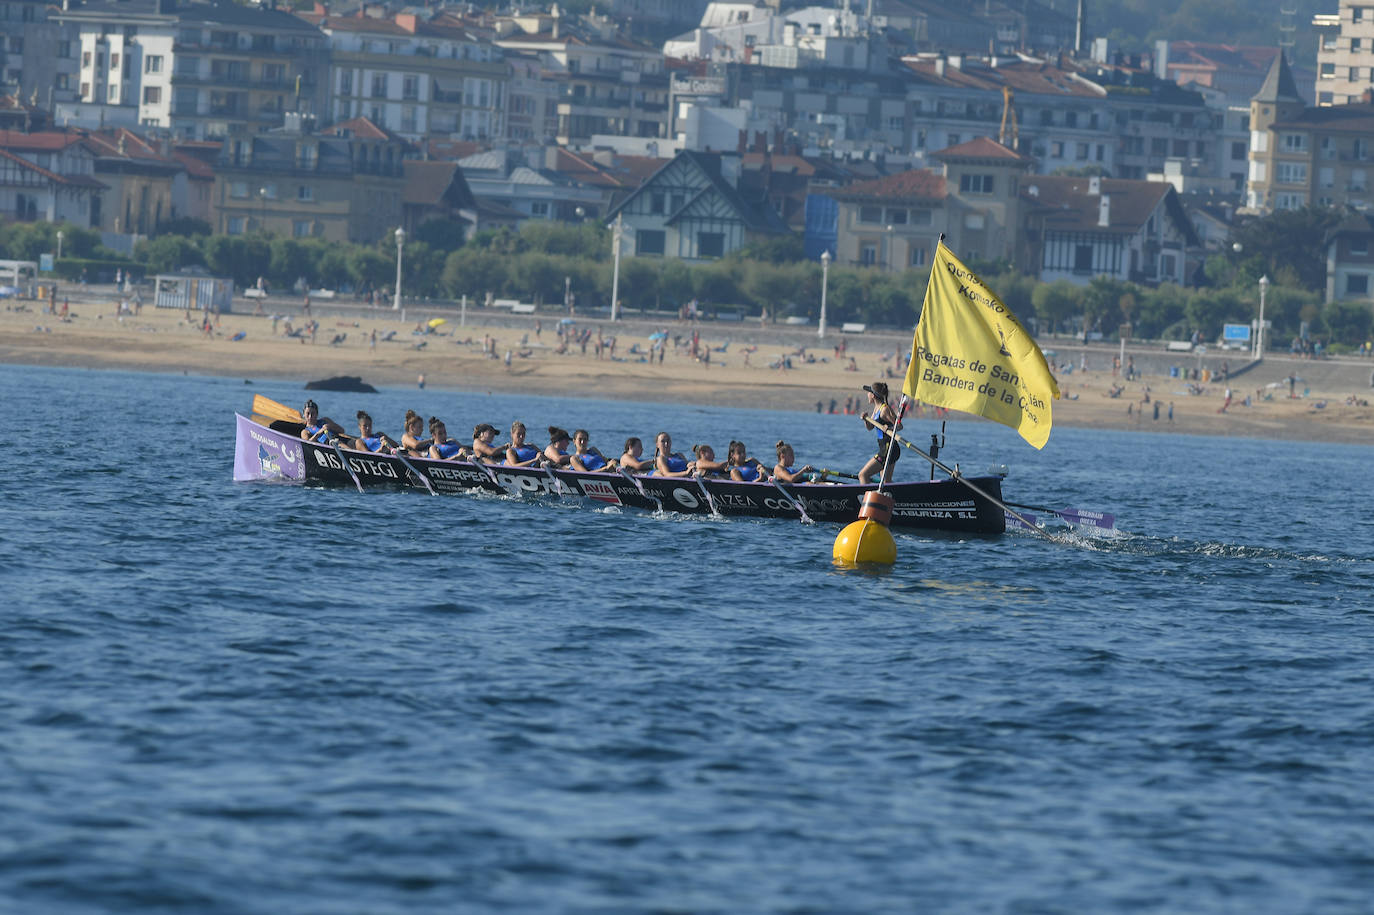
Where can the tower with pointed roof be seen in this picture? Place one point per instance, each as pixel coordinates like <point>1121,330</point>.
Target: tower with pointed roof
<point>1278,100</point>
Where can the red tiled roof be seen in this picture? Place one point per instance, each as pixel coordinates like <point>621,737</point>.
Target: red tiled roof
<point>980,148</point>
<point>918,183</point>
<point>43,141</point>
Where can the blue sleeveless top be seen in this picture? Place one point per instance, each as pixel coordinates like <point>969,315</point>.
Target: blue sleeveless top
<point>877,418</point>
<point>592,461</point>
<point>315,430</point>
<point>749,472</point>
<point>525,453</point>
<point>447,450</point>
<point>675,464</point>
<point>372,442</point>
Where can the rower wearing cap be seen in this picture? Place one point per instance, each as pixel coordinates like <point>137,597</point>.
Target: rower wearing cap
<point>883,421</point>
<point>482,448</point>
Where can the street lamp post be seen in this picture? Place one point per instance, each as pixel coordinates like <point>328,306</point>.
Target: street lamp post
<point>400,240</point>
<point>59,244</point>
<point>890,266</point>
<point>825,280</point>
<point>1259,331</point>
<point>617,232</point>
<point>262,202</point>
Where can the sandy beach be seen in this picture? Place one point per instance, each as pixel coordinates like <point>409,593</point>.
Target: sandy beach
<point>451,356</point>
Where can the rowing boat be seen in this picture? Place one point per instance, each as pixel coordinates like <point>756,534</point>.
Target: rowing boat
<point>264,453</point>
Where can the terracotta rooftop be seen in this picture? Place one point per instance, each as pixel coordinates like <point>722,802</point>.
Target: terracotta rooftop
<point>980,148</point>
<point>918,183</point>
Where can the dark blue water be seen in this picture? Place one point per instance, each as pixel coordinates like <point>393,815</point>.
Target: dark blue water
<point>220,697</point>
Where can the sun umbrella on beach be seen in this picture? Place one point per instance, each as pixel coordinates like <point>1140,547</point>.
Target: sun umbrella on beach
<point>659,335</point>
<point>435,322</point>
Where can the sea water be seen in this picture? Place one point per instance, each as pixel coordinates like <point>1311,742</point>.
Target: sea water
<point>220,697</point>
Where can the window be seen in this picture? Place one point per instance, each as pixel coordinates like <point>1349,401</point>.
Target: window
<point>1259,140</point>
<point>1357,179</point>
<point>1238,150</point>
<point>1326,177</point>
<point>1359,247</point>
<point>1357,284</point>
<point>1082,151</point>
<point>649,241</point>
<point>1159,146</point>
<point>539,208</point>
<point>152,63</point>
<point>868,254</point>
<point>114,60</point>
<point>872,215</point>
<point>305,193</point>
<point>1360,148</point>
<point>346,82</point>
<point>1288,201</point>
<point>920,217</point>
<point>1294,142</point>
<point>1259,171</point>
<point>1083,259</point>
<point>897,217</point>
<point>1327,71</point>
<point>1057,149</point>
<point>1180,149</point>
<point>410,87</point>
<point>917,256</point>
<point>301,228</point>
<point>1291,173</point>
<point>656,200</point>
<point>85,90</point>
<point>237,225</point>
<point>62,81</point>
<point>238,190</point>
<point>85,58</point>
<point>975,184</point>
<point>113,94</point>
<point>379,85</point>
<point>268,192</point>
<point>710,244</point>
<point>1357,14</point>
<point>152,95</point>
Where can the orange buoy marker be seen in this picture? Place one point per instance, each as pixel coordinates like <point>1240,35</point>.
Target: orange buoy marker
<point>868,539</point>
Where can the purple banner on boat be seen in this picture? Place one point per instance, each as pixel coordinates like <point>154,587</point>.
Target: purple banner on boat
<point>262,454</point>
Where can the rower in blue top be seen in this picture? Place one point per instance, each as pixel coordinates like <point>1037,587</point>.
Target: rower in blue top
<point>519,454</point>
<point>444,448</point>
<point>585,457</point>
<point>744,469</point>
<point>317,429</point>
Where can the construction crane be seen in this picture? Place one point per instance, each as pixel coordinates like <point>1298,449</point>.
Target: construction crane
<point>1009,129</point>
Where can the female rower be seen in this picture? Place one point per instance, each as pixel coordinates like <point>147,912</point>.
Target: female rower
<point>317,429</point>
<point>706,464</point>
<point>883,421</point>
<point>667,462</point>
<point>444,448</point>
<point>783,471</point>
<point>411,430</point>
<point>744,469</point>
<point>557,451</point>
<point>519,454</point>
<point>483,449</point>
<point>585,457</point>
<point>368,440</point>
<point>632,458</point>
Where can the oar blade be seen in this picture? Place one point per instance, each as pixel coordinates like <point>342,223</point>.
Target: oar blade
<point>1084,518</point>
<point>268,407</point>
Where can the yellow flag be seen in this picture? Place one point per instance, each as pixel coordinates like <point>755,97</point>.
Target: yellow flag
<point>971,354</point>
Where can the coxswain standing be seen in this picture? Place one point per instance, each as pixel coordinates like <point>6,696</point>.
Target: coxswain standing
<point>883,421</point>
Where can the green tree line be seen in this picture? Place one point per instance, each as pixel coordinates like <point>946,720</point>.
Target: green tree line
<point>536,262</point>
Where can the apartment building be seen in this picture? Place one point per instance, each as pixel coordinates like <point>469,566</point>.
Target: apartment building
<point>37,56</point>
<point>608,84</point>
<point>344,182</point>
<point>200,69</point>
<point>1304,155</point>
<point>1345,53</point>
<point>415,73</point>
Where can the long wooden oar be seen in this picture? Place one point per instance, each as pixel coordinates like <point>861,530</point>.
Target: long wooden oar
<point>412,468</point>
<point>796,503</point>
<point>640,486</point>
<point>344,460</point>
<point>827,472</point>
<point>270,408</point>
<point>707,493</point>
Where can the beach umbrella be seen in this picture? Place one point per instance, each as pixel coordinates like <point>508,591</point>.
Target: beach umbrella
<point>660,335</point>
<point>435,322</point>
<point>567,321</point>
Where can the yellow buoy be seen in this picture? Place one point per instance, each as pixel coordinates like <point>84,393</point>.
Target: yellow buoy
<point>865,541</point>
